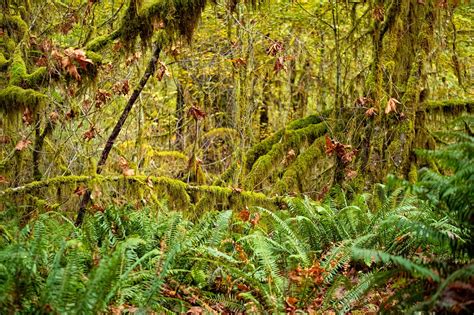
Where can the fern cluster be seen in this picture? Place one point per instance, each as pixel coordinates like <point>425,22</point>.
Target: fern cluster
<point>402,247</point>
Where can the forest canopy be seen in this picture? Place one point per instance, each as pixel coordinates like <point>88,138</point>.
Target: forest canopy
<point>235,156</point>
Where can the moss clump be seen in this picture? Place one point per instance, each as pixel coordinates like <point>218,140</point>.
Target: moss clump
<point>266,145</point>
<point>95,57</point>
<point>171,154</point>
<point>14,24</point>
<point>19,75</point>
<point>101,41</point>
<point>14,98</point>
<point>3,62</point>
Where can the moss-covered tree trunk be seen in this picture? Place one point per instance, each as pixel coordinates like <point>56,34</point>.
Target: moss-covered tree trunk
<point>402,35</point>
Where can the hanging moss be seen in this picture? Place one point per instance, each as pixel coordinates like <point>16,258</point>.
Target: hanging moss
<point>177,192</point>
<point>13,99</point>
<point>453,107</point>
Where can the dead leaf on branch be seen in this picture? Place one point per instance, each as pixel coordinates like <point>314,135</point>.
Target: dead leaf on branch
<point>244,215</point>
<point>236,189</point>
<point>22,144</point>
<point>342,151</point>
<point>133,58</point>
<point>371,112</point>
<point>196,112</point>
<point>53,117</point>
<point>363,101</point>
<point>80,190</point>
<point>279,65</point>
<point>162,71</point>
<point>3,180</point>
<point>90,134</point>
<point>378,13</point>
<point>275,48</point>
<point>102,97</point>
<point>255,219</point>
<point>27,117</point>
<point>391,105</point>
<point>121,87</point>
<point>125,167</point>
<point>238,62</point>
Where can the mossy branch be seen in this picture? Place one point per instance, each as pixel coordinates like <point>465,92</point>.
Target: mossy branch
<point>178,191</point>
<point>292,139</point>
<point>14,98</point>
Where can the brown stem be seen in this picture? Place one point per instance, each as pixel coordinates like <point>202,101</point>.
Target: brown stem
<point>118,127</point>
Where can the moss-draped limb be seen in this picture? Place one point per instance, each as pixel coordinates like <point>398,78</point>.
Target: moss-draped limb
<point>14,98</point>
<point>290,139</point>
<point>4,63</point>
<point>177,191</point>
<point>14,24</point>
<point>178,18</point>
<point>450,106</point>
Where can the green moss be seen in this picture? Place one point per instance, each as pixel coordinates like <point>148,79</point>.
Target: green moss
<point>3,62</point>
<point>292,139</point>
<point>171,154</point>
<point>177,192</point>
<point>101,41</point>
<point>413,174</point>
<point>95,57</point>
<point>433,105</point>
<point>298,170</point>
<point>14,98</point>
<point>308,120</point>
<point>19,75</point>
<point>15,24</point>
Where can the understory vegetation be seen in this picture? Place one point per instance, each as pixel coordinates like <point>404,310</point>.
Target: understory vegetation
<point>402,247</point>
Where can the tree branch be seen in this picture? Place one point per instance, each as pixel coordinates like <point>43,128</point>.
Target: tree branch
<point>118,127</point>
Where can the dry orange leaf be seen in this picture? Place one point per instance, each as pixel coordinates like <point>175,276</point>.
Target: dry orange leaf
<point>391,105</point>
<point>279,65</point>
<point>371,112</point>
<point>3,180</point>
<point>22,144</point>
<point>162,71</point>
<point>27,117</point>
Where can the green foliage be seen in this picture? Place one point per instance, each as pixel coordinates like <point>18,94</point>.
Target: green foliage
<point>452,189</point>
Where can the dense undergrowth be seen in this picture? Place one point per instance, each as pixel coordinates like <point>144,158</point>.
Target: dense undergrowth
<point>401,247</point>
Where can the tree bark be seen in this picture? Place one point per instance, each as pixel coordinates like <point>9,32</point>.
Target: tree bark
<point>118,127</point>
